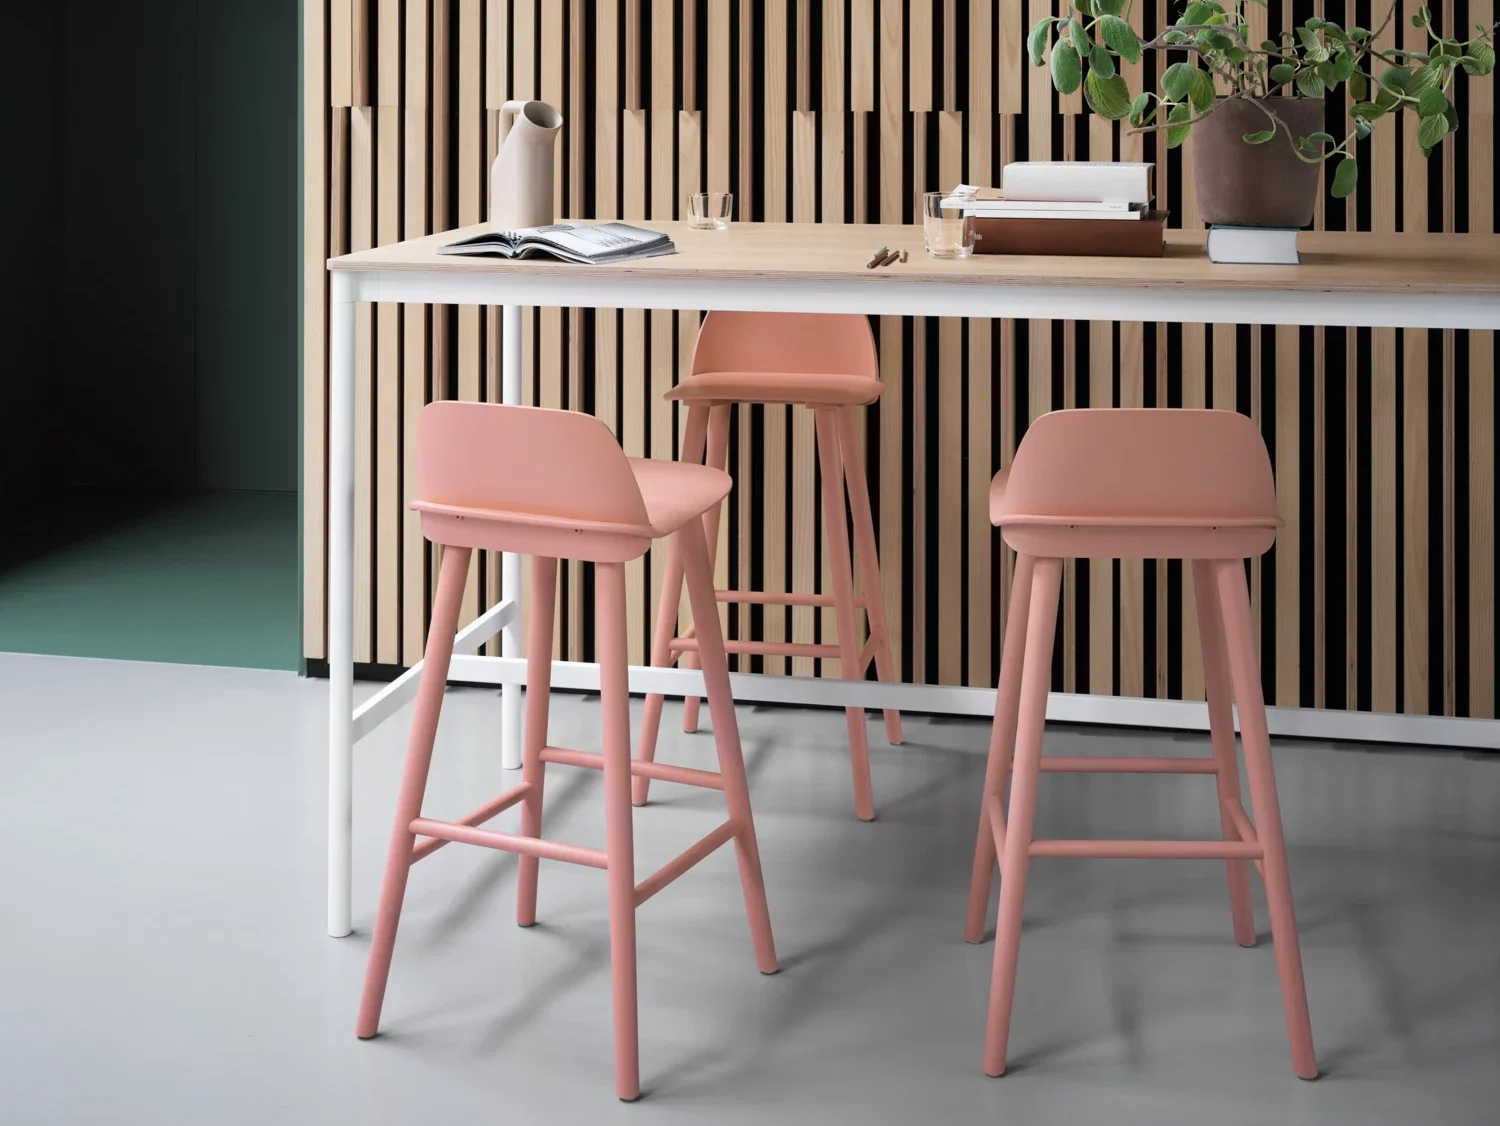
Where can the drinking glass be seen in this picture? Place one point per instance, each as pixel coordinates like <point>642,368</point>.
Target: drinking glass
<point>709,211</point>
<point>948,232</point>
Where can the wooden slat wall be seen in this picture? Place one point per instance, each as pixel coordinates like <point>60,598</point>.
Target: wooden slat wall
<point>1379,595</point>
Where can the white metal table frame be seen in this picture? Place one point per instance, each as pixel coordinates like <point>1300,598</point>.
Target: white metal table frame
<point>1163,302</point>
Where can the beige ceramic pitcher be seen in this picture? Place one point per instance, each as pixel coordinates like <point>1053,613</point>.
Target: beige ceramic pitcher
<point>521,177</point>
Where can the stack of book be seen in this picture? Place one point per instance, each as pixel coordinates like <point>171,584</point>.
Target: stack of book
<point>1066,207</point>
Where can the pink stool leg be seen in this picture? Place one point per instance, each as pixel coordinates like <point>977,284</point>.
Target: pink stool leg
<point>1002,745</point>
<point>1036,678</point>
<point>841,569</point>
<point>665,628</point>
<point>538,695</point>
<point>1221,728</point>
<point>1245,671</point>
<point>718,455</point>
<point>419,744</point>
<point>867,558</point>
<point>700,583</point>
<point>619,839</point>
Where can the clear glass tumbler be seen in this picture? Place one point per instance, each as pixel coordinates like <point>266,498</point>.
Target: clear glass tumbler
<point>710,211</point>
<point>948,232</point>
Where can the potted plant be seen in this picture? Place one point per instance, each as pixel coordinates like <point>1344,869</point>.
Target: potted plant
<point>1256,159</point>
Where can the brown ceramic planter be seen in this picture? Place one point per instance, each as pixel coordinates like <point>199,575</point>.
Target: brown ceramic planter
<point>1241,185</point>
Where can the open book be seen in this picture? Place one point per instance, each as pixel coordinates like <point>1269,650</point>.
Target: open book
<point>572,242</point>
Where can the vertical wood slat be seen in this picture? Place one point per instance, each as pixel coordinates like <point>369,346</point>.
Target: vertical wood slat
<point>1484,630</point>
<point>1383,487</point>
<point>1415,570</point>
<point>414,328</point>
<point>979,613</point>
<point>317,193</point>
<point>388,516</point>
<point>950,439</point>
<point>362,237</point>
<point>413,143</point>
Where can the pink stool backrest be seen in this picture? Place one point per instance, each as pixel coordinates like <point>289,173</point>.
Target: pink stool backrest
<point>795,343</point>
<point>1165,466</point>
<point>529,480</point>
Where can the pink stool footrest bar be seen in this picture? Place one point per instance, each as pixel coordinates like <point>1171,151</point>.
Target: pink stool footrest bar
<point>1148,850</point>
<point>1065,764</point>
<point>685,860</point>
<point>478,817</point>
<point>593,760</point>
<point>511,842</point>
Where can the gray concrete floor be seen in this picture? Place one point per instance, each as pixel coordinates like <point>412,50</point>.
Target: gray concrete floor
<point>162,956</point>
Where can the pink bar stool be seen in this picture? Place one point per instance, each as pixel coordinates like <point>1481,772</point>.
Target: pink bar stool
<point>1154,484</point>
<point>825,362</point>
<point>554,484</point>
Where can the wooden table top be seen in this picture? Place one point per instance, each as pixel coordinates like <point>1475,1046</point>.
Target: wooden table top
<point>1331,261</point>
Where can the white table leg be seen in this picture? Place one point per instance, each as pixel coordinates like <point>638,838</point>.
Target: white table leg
<point>340,603</point>
<point>510,565</point>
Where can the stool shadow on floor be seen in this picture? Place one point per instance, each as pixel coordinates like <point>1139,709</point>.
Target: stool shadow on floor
<point>587,958</point>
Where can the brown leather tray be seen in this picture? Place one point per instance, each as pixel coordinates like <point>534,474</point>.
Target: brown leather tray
<point>1095,238</point>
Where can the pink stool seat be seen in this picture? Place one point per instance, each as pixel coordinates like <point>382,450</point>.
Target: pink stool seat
<point>824,389</point>
<point>675,493</point>
<point>552,485</point>
<point>1163,484</point>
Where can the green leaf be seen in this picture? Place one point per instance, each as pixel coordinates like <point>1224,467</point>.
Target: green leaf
<point>1361,128</point>
<point>1357,32</point>
<point>1424,78</point>
<point>1107,96</point>
<point>1345,177</point>
<point>1358,86</point>
<point>1203,93</point>
<point>1431,131</point>
<point>1179,113</point>
<point>1283,72</point>
<point>1101,62</point>
<point>1367,110</point>
<point>1269,46</point>
<point>1432,103</point>
<point>1310,84</point>
<point>1036,41</point>
<point>1108,7</point>
<point>1387,100</point>
<point>1313,49</point>
<point>1258,138</point>
<point>1343,68</point>
<point>1120,37</point>
<point>1178,80</point>
<point>1312,23</point>
<point>1480,60</point>
<point>1080,38</point>
<point>1313,140</point>
<point>1195,14</point>
<point>1394,78</point>
<point>1138,106</point>
<point>1067,68</point>
<point>1215,40</point>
